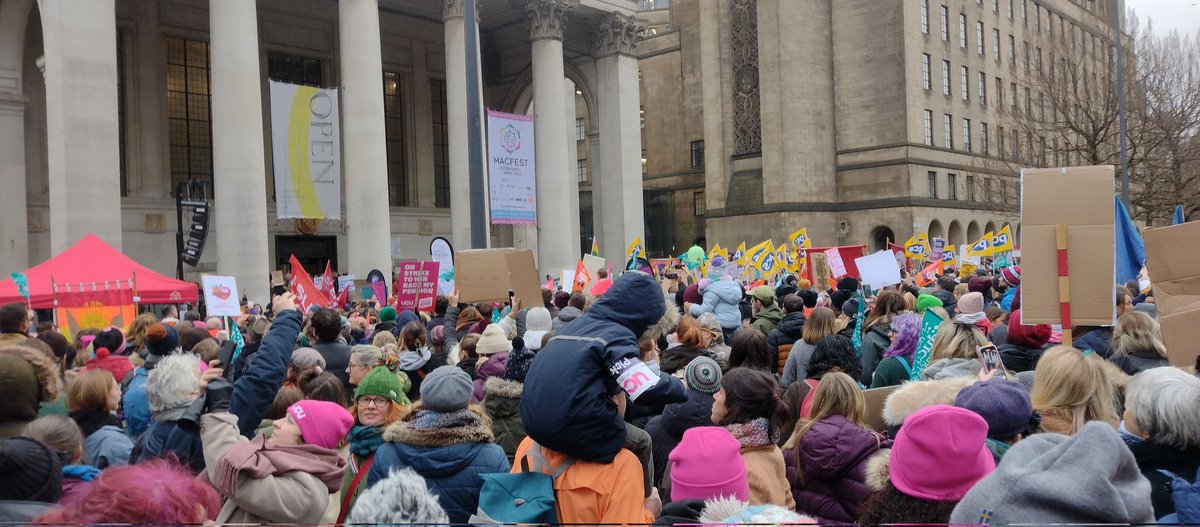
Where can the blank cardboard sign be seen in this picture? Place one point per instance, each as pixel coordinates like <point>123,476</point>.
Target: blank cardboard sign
<point>1082,199</point>
<point>1173,262</point>
<point>487,275</point>
<point>523,278</point>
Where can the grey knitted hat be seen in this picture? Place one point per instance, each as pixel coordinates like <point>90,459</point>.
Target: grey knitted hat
<point>703,375</point>
<point>447,389</point>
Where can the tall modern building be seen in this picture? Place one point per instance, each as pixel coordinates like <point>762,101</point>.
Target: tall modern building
<point>862,120</point>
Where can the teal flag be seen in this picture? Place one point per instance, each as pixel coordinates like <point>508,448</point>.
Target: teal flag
<point>22,284</point>
<point>235,335</point>
<point>858,325</point>
<point>929,328</point>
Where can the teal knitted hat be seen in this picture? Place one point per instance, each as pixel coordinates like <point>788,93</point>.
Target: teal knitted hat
<point>382,382</point>
<point>387,314</point>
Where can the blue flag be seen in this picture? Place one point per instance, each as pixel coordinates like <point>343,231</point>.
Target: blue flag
<point>930,322</point>
<point>235,335</point>
<point>1177,219</point>
<point>1130,251</point>
<point>858,324</point>
<point>22,284</point>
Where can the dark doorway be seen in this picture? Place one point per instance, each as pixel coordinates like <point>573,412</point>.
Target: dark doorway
<point>881,236</point>
<point>312,251</point>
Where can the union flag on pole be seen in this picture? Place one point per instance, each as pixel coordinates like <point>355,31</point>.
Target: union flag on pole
<point>307,293</point>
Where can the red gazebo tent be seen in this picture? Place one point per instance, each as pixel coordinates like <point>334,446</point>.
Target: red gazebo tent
<point>93,264</point>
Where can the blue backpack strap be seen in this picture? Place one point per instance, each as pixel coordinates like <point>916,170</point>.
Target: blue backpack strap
<point>907,366</point>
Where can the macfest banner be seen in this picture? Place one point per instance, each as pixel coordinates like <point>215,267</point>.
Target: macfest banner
<point>511,174</point>
<point>306,147</point>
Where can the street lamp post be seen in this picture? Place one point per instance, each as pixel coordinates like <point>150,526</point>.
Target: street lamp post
<point>1121,105</point>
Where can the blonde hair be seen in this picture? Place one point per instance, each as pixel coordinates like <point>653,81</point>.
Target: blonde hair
<point>89,391</point>
<point>1078,383</point>
<point>821,323</point>
<point>1136,331</point>
<point>910,301</point>
<point>836,394</point>
<point>956,341</point>
<point>383,338</point>
<point>960,290</point>
<point>136,336</point>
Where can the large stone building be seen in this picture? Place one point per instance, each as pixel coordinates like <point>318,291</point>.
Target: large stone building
<point>862,120</point>
<point>106,106</point>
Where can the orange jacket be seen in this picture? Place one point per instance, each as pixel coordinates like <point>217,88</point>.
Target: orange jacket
<point>595,493</point>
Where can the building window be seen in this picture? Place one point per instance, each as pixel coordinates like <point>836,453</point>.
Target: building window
<point>933,184</point>
<point>393,123</point>
<point>580,129</point>
<point>1012,95</point>
<point>987,191</point>
<point>1025,44</point>
<point>697,154</point>
<point>1012,49</point>
<point>995,6</point>
<point>925,17</point>
<point>983,138</point>
<point>979,37</point>
<point>1028,102</point>
<point>1037,17</point>
<point>1038,56</point>
<point>1010,9</point>
<point>982,88</point>
<point>948,130</point>
<point>1000,147</point>
<point>925,82</point>
<point>970,188</point>
<point>966,83</point>
<point>966,132</point>
<point>698,203</point>
<point>996,44</point>
<point>188,113</point>
<point>951,186</point>
<point>1025,12</point>
<point>296,70</point>
<point>945,23</point>
<point>945,77</point>
<point>441,144</point>
<point>928,128</point>
<point>999,95</point>
<point>1004,192</point>
<point>581,170</point>
<point>962,31</point>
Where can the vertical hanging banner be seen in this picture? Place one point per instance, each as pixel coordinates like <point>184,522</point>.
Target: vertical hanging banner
<point>96,306</point>
<point>307,151</point>
<point>511,175</point>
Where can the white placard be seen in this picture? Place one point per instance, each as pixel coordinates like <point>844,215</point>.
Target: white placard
<point>836,266</point>
<point>568,280</point>
<point>220,296</point>
<point>879,270</point>
<point>306,146</point>
<point>511,174</point>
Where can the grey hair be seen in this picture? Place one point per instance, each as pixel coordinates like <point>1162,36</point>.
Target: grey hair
<point>367,354</point>
<point>1162,403</point>
<point>401,498</point>
<point>173,383</point>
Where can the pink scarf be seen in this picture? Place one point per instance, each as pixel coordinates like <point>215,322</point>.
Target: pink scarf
<point>257,459</point>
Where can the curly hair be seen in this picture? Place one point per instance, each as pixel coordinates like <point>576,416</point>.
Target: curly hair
<point>834,351</point>
<point>888,506</point>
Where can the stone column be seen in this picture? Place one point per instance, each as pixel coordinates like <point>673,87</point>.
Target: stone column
<point>148,162</point>
<point>80,39</point>
<point>556,250</point>
<point>619,182</point>
<point>14,223</point>
<point>572,165</point>
<point>456,115</point>
<point>239,164</point>
<point>364,142</point>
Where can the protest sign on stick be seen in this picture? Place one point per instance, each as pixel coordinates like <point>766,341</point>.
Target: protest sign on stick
<point>417,286</point>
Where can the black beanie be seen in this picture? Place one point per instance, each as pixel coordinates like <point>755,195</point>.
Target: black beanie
<point>29,471</point>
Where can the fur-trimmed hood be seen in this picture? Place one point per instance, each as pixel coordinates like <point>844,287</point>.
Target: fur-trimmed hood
<point>49,383</point>
<point>878,470</point>
<point>665,325</point>
<point>731,511</point>
<point>913,396</point>
<point>403,431</point>
<point>501,387</point>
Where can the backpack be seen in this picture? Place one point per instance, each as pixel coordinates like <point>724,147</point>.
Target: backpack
<point>525,497</point>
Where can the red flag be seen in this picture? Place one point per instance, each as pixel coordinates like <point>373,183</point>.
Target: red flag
<point>307,293</point>
<point>342,298</point>
<point>329,282</point>
<point>929,273</point>
<point>582,277</point>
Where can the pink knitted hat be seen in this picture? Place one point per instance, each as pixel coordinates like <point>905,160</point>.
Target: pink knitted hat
<point>708,464</point>
<point>940,453</point>
<point>321,423</point>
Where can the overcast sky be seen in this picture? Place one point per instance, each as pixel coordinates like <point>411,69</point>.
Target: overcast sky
<point>1181,15</point>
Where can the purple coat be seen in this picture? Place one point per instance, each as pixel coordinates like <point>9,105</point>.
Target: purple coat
<point>494,367</point>
<point>73,489</point>
<point>833,458</point>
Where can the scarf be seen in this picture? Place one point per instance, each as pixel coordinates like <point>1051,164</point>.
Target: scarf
<point>970,318</point>
<point>81,472</point>
<point>257,459</point>
<point>365,440</point>
<point>90,420</point>
<point>754,433</point>
<point>429,419</point>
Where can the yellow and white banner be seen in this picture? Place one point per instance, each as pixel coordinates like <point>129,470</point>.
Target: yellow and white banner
<point>306,144</point>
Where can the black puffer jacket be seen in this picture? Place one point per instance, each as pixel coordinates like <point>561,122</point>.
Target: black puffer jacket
<point>667,430</point>
<point>787,332</point>
<point>1020,358</point>
<point>874,341</point>
<point>567,406</point>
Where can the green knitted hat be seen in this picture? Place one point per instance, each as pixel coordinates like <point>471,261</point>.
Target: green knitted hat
<point>927,301</point>
<point>387,314</point>
<point>382,382</point>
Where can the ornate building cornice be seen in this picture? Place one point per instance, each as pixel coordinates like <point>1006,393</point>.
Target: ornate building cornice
<point>617,33</point>
<point>548,18</point>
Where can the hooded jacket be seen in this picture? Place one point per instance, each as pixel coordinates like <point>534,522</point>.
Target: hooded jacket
<point>767,319</point>
<point>502,401</point>
<point>450,459</point>
<point>1139,361</point>
<point>567,405</point>
<point>677,358</point>
<point>1098,340</point>
<point>565,316</point>
<point>875,341</point>
<point>416,364</point>
<point>666,431</point>
<point>910,397</point>
<point>136,405</point>
<point>27,378</point>
<point>492,367</point>
<point>1152,457</point>
<point>789,330</point>
<point>591,493</point>
<point>832,461</point>
<point>721,299</point>
<point>1020,358</point>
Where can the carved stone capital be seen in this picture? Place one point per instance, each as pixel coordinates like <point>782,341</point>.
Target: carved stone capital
<point>617,33</point>
<point>452,9</point>
<point>548,18</point>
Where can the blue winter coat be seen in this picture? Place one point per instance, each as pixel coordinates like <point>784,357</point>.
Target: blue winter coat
<point>1007,299</point>
<point>722,298</point>
<point>136,405</point>
<point>567,405</point>
<point>252,396</point>
<point>107,447</point>
<point>450,459</point>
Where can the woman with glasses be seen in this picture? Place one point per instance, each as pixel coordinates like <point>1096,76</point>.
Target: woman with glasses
<point>378,402</point>
<point>364,358</point>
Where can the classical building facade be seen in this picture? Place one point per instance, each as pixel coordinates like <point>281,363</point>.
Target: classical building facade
<point>862,120</point>
<point>106,106</point>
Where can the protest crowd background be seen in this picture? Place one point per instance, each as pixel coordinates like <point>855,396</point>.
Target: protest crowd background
<point>721,386</point>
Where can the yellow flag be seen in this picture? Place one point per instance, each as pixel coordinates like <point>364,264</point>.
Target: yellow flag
<point>739,256</point>
<point>635,249</point>
<point>768,261</point>
<point>949,257</point>
<point>917,247</point>
<point>1002,242</point>
<point>982,247</point>
<point>755,254</point>
<point>800,238</point>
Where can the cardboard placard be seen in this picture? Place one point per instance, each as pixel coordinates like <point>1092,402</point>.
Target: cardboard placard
<point>487,275</point>
<point>819,261</point>
<point>876,397</point>
<point>879,270</point>
<point>1089,218</point>
<point>1173,263</point>
<point>220,296</point>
